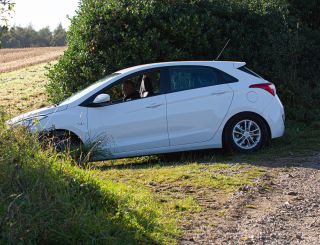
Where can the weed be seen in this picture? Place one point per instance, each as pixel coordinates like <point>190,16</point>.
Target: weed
<point>46,199</point>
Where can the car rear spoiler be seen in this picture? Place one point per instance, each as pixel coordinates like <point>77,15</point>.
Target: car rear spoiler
<point>239,64</point>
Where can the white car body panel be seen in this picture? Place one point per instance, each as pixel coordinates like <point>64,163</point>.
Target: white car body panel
<point>72,119</point>
<point>194,116</point>
<point>130,126</point>
<point>179,121</point>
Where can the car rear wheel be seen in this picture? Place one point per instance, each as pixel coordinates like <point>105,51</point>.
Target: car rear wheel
<point>245,133</point>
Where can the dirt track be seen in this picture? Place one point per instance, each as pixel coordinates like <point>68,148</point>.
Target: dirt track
<point>284,208</point>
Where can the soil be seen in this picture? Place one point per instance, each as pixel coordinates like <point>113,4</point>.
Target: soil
<point>283,208</point>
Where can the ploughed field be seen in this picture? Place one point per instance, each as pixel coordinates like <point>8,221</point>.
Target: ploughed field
<point>13,59</point>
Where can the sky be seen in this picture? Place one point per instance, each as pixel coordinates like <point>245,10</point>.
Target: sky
<point>42,13</point>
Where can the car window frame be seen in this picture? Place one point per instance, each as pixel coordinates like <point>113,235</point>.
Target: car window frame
<point>89,102</point>
<point>166,76</point>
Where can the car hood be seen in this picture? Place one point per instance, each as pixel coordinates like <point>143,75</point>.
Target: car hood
<point>39,112</point>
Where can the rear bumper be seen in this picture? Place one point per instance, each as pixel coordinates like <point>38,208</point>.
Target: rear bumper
<point>275,116</point>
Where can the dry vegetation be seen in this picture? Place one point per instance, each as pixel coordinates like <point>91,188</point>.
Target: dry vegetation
<point>13,59</point>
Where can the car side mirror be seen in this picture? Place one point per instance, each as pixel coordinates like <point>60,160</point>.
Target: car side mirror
<point>101,99</point>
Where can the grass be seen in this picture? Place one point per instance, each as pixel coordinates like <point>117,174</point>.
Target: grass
<point>23,90</point>
<point>222,177</point>
<point>45,199</point>
<point>180,186</point>
<point>143,199</point>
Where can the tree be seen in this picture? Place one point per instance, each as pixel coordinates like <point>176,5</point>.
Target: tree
<point>44,37</point>
<point>6,8</point>
<point>59,36</point>
<point>24,37</point>
<point>307,11</point>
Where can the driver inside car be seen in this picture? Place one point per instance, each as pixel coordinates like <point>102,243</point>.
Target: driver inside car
<point>129,92</point>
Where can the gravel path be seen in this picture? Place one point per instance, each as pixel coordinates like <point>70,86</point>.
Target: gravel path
<point>283,209</point>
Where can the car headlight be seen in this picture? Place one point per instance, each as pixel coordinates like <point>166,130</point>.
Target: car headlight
<point>31,121</point>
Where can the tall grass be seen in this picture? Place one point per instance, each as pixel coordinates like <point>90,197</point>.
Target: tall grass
<point>45,199</point>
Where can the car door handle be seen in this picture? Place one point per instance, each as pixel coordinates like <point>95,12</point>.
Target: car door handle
<point>152,106</point>
<point>219,93</point>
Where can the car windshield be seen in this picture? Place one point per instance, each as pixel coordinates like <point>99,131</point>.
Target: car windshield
<point>92,87</point>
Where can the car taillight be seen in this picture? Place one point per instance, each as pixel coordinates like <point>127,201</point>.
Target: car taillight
<point>266,86</point>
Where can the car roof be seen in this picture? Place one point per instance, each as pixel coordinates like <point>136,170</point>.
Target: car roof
<point>217,64</point>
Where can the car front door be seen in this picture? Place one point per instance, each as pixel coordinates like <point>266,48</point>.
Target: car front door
<point>197,102</point>
<point>134,125</point>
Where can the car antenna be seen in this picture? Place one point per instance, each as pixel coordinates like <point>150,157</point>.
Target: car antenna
<point>223,49</point>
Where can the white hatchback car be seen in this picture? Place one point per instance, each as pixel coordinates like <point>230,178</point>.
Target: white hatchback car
<point>167,107</point>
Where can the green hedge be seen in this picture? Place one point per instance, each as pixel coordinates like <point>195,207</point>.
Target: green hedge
<point>271,36</point>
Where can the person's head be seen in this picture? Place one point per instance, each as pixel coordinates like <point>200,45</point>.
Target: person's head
<point>128,88</point>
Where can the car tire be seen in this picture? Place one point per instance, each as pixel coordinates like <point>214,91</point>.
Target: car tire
<point>245,133</point>
<point>63,141</point>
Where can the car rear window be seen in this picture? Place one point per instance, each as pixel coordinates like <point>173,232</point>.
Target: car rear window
<point>247,70</point>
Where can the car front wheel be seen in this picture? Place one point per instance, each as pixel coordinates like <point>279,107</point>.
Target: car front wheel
<point>63,141</point>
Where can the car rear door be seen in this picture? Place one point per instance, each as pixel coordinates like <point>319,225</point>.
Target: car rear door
<point>197,103</point>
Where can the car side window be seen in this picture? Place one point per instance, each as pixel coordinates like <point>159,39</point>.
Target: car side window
<point>150,84</point>
<point>115,93</point>
<point>226,78</point>
<point>141,85</point>
<point>185,78</point>
<point>192,77</point>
